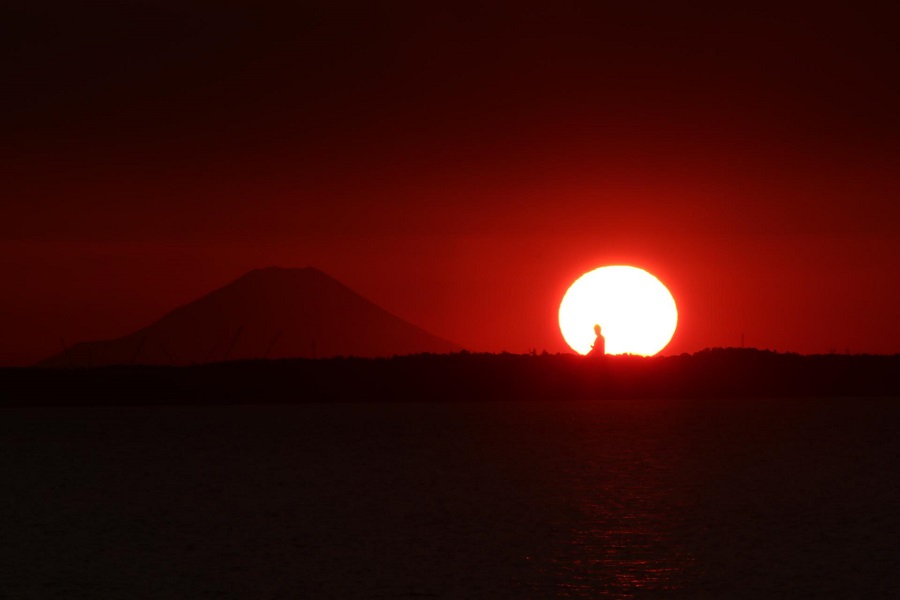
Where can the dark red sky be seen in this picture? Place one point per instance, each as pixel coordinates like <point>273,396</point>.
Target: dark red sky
<point>457,165</point>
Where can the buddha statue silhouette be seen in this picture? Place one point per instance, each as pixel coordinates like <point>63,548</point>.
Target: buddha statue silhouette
<point>598,348</point>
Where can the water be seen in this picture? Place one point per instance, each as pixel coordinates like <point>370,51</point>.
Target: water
<point>662,498</point>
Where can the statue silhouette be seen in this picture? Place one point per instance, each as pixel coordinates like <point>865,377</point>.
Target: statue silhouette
<point>598,349</point>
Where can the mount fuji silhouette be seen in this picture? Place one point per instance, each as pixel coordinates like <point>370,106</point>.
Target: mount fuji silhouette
<point>267,313</point>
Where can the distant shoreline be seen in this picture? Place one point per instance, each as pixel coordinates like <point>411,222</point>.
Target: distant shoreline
<point>458,377</point>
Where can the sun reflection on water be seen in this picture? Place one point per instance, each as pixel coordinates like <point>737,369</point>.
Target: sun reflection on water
<point>624,532</point>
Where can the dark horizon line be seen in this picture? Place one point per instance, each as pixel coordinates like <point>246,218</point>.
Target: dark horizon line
<point>460,377</point>
<point>463,352</point>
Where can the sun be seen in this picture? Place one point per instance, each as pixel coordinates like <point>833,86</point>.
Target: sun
<point>635,311</point>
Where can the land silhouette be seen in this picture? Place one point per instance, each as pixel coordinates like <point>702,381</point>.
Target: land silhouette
<point>462,376</point>
<point>266,313</point>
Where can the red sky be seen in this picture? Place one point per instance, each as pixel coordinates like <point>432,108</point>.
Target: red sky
<point>459,166</point>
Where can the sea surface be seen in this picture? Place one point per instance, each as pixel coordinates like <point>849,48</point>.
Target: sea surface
<point>623,499</point>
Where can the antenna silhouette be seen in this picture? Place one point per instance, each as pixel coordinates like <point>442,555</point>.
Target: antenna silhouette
<point>272,343</point>
<point>233,342</point>
<point>211,350</point>
<point>66,351</point>
<point>166,352</point>
<point>139,348</point>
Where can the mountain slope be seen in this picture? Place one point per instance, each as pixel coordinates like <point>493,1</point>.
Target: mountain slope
<point>267,313</point>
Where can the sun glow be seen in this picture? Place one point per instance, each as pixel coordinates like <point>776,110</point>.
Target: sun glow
<point>636,312</point>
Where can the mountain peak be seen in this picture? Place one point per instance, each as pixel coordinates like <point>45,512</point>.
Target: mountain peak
<point>275,271</point>
<point>271,312</point>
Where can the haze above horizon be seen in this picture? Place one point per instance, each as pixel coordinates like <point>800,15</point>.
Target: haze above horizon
<point>458,166</point>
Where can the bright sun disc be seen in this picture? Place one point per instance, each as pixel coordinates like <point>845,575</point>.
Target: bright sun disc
<point>634,309</point>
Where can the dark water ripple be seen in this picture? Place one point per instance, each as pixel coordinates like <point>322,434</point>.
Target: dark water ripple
<point>637,499</point>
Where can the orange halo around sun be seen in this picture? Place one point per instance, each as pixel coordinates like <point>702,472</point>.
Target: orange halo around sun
<point>634,309</point>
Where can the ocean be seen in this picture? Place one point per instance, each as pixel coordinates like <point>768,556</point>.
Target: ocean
<point>704,498</point>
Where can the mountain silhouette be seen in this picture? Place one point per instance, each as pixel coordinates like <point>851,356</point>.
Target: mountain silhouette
<point>267,313</point>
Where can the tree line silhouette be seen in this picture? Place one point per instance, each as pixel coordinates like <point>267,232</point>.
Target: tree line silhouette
<point>461,377</point>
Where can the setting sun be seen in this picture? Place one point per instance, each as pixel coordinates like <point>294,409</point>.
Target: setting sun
<point>636,312</point>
